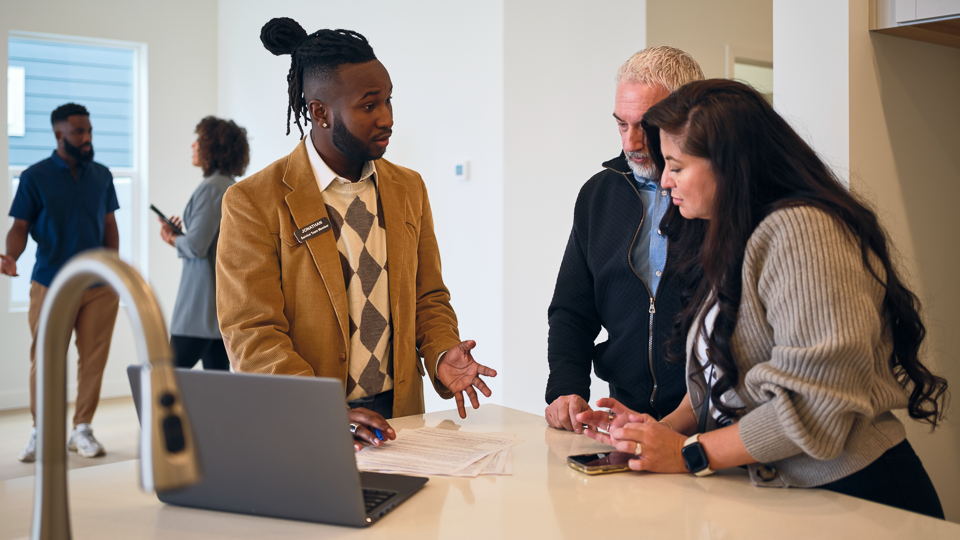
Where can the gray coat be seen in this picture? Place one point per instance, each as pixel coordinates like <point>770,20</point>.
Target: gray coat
<point>195,313</point>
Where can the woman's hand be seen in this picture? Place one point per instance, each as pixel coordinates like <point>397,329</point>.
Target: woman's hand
<point>659,446</point>
<point>367,421</point>
<point>166,231</point>
<point>597,420</point>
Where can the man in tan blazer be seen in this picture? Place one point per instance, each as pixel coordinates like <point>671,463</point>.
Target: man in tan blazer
<point>327,264</point>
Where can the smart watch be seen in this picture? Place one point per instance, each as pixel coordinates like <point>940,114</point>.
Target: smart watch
<point>696,457</point>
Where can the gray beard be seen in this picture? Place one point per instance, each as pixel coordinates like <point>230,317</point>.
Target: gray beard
<point>644,171</point>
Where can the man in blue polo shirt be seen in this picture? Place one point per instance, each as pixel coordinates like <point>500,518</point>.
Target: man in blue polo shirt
<point>66,203</point>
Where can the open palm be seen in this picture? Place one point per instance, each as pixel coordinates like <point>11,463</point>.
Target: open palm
<point>460,373</point>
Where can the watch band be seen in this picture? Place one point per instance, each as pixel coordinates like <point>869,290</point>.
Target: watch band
<point>692,444</point>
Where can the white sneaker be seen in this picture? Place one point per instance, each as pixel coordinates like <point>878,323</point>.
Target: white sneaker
<point>83,442</point>
<point>29,452</point>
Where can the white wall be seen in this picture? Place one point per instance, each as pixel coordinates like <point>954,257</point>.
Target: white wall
<point>446,63</point>
<point>561,57</point>
<point>181,52</point>
<point>811,75</point>
<point>522,90</point>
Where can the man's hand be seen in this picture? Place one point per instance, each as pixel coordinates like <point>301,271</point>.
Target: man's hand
<point>459,372</point>
<point>367,421</point>
<point>166,231</point>
<point>8,266</point>
<point>562,413</point>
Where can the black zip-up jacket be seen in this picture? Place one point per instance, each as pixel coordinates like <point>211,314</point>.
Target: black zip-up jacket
<point>598,286</point>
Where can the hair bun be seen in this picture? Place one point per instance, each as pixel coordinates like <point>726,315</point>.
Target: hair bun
<point>282,35</point>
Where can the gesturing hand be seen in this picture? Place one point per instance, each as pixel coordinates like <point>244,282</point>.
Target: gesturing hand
<point>618,415</point>
<point>460,373</point>
<point>8,266</point>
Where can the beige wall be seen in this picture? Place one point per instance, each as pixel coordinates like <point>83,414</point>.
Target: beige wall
<point>704,27</point>
<point>905,157</point>
<point>181,40</point>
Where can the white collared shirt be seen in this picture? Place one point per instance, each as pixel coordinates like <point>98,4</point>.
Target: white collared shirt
<point>325,175</point>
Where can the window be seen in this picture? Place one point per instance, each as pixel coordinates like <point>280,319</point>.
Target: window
<point>108,78</point>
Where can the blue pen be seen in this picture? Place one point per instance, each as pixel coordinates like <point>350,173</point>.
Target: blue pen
<point>378,433</point>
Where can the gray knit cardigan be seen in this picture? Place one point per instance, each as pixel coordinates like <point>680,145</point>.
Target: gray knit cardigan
<point>814,364</point>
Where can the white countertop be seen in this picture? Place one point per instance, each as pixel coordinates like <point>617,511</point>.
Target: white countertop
<point>543,499</point>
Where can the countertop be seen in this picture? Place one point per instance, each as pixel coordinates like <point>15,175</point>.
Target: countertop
<point>542,499</point>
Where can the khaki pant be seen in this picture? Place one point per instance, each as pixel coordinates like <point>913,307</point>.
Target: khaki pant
<point>93,323</point>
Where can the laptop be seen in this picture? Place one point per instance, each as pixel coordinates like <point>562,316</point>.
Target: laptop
<point>278,446</point>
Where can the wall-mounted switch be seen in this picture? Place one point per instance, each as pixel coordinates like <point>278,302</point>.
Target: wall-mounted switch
<point>461,170</point>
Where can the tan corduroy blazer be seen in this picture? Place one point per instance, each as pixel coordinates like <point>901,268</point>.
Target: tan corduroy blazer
<point>282,304</point>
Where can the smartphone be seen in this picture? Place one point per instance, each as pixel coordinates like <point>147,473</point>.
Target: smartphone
<point>166,220</point>
<point>601,463</point>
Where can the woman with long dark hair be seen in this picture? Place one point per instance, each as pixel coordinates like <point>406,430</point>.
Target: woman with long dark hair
<point>222,153</point>
<point>800,335</point>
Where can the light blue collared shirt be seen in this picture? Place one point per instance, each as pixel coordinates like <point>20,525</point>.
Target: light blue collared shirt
<point>650,250</point>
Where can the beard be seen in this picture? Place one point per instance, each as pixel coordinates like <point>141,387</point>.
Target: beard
<point>644,171</point>
<point>76,153</point>
<point>348,144</point>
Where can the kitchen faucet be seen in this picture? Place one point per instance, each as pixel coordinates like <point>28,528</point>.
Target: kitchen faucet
<point>168,457</point>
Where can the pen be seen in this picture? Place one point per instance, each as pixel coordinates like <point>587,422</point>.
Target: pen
<point>378,433</point>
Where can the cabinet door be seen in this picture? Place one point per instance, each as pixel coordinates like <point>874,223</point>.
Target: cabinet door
<point>927,9</point>
<point>906,10</point>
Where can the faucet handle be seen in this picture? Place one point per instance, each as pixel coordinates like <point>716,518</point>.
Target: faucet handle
<point>168,436</point>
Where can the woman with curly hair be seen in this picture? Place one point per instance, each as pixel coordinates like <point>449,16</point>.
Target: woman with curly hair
<point>222,153</point>
<point>801,336</point>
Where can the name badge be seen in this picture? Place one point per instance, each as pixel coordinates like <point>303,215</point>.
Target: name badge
<point>312,230</point>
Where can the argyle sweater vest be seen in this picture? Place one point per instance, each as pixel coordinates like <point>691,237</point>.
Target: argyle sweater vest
<point>356,217</point>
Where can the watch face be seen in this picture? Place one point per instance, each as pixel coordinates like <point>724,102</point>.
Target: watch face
<point>695,457</point>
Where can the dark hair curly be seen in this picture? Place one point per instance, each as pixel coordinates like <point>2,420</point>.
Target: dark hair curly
<point>66,110</point>
<point>222,147</point>
<point>316,56</point>
<point>762,165</point>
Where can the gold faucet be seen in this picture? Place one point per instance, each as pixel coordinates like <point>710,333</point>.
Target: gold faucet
<point>168,457</point>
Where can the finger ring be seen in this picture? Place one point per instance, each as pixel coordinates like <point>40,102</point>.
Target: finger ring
<point>637,450</point>
<point>353,427</point>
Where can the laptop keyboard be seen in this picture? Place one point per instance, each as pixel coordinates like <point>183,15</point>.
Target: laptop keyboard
<point>373,498</point>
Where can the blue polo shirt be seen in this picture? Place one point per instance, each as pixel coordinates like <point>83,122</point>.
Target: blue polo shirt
<point>650,249</point>
<point>66,215</point>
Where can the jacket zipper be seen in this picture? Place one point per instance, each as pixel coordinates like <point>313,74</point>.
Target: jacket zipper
<point>653,307</point>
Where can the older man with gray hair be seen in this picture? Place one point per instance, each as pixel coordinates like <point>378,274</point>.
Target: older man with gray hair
<point>614,273</point>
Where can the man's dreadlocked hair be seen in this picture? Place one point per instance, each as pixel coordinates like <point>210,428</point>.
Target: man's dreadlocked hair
<point>315,56</point>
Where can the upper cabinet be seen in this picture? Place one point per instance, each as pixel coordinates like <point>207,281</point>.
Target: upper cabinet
<point>933,21</point>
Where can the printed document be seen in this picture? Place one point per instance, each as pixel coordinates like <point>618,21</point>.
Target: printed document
<point>440,452</point>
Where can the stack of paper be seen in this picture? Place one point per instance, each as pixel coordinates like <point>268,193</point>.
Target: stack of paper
<point>441,452</point>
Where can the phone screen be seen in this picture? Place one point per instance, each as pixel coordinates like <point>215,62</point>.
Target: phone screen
<point>602,459</point>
